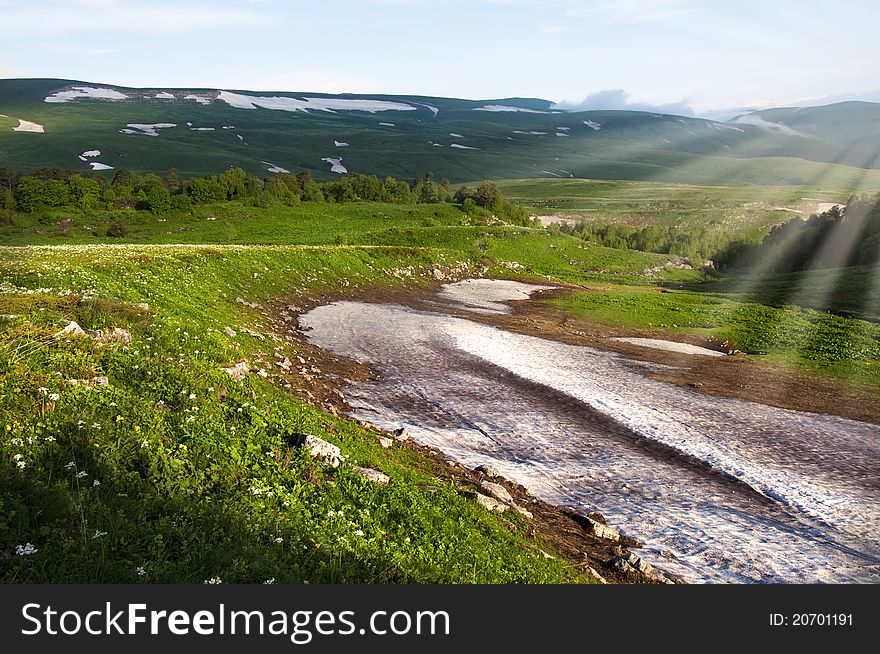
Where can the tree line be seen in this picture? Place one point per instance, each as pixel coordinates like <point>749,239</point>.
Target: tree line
<point>833,239</point>
<point>48,188</point>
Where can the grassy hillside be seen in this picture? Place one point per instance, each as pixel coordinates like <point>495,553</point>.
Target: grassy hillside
<point>499,144</point>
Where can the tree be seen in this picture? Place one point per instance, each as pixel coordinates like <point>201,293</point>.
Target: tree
<point>158,199</point>
<point>84,192</point>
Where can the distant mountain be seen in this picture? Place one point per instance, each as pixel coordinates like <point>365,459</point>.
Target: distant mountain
<point>851,130</point>
<point>53,122</point>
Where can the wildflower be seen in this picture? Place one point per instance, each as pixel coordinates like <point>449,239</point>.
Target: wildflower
<point>192,396</point>
<point>96,425</point>
<point>140,571</point>
<point>359,532</point>
<point>270,580</point>
<point>285,503</point>
<point>43,390</point>
<point>50,439</point>
<point>279,540</point>
<point>98,534</point>
<point>210,389</point>
<point>145,444</point>
<point>256,491</point>
<point>213,581</point>
<point>95,483</point>
<point>81,474</point>
<point>17,441</point>
<point>70,466</point>
<point>54,396</point>
<point>25,550</point>
<point>113,404</point>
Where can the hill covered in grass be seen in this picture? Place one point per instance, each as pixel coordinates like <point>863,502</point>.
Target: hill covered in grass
<point>197,131</point>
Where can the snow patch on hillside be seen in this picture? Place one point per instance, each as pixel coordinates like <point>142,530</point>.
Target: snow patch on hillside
<point>504,107</point>
<point>274,168</point>
<point>516,131</point>
<point>147,130</point>
<point>335,165</point>
<point>88,92</point>
<point>462,147</point>
<point>164,95</point>
<point>592,124</point>
<point>331,105</point>
<point>340,144</point>
<point>28,126</point>
<point>96,165</point>
<point>90,153</point>
<point>386,124</point>
<point>201,99</point>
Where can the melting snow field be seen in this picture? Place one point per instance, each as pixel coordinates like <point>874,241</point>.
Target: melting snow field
<point>240,101</point>
<point>504,107</point>
<point>148,130</point>
<point>274,168</point>
<point>671,346</point>
<point>28,126</point>
<point>719,489</point>
<point>335,165</point>
<point>88,92</point>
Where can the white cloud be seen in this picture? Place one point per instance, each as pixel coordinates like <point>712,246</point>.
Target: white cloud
<point>69,16</point>
<point>630,11</point>
<point>620,99</point>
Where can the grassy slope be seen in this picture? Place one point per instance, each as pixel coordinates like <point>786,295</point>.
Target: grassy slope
<point>185,496</point>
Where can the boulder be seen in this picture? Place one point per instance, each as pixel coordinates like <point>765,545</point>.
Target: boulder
<point>488,470</point>
<point>115,335</point>
<point>385,442</point>
<point>497,491</point>
<point>594,527</point>
<point>522,511</point>
<point>230,332</point>
<point>400,434</point>
<point>318,448</point>
<point>72,329</point>
<point>238,371</point>
<point>369,474</point>
<point>491,504</point>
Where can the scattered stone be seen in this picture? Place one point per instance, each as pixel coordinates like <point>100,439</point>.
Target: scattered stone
<point>255,334</point>
<point>72,329</point>
<point>400,434</point>
<point>596,575</point>
<point>318,448</point>
<point>89,383</point>
<point>372,475</point>
<point>385,442</point>
<point>230,332</point>
<point>594,527</point>
<point>489,471</point>
<point>637,563</point>
<point>238,372</point>
<point>524,512</point>
<point>252,305</point>
<point>284,364</point>
<point>262,373</point>
<point>491,504</point>
<point>115,335</point>
<point>439,275</point>
<point>497,491</point>
<point>619,563</point>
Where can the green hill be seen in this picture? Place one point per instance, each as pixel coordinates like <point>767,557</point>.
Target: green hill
<point>207,130</point>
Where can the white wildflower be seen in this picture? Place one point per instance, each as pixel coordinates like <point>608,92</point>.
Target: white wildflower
<point>25,550</point>
<point>54,396</point>
<point>270,580</point>
<point>98,534</point>
<point>140,571</point>
<point>81,474</point>
<point>70,466</point>
<point>359,532</point>
<point>279,540</point>
<point>213,581</point>
<point>43,390</point>
<point>95,483</point>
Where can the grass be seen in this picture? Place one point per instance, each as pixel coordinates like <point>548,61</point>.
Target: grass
<point>198,476</point>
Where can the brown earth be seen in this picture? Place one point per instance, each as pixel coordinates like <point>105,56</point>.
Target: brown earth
<point>319,377</point>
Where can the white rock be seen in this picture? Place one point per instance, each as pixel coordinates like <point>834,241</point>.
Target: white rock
<point>491,503</point>
<point>400,434</point>
<point>238,372</point>
<point>318,448</point>
<point>601,531</point>
<point>372,475</point>
<point>385,442</point>
<point>72,329</point>
<point>497,491</point>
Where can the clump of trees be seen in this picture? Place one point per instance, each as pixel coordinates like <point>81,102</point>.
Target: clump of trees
<point>834,239</point>
<point>695,243</point>
<point>52,187</point>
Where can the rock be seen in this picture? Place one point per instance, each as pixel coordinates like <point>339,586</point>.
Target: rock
<point>594,527</point>
<point>372,475</point>
<point>489,471</point>
<point>646,569</point>
<point>400,434</point>
<point>491,503</point>
<point>238,372</point>
<point>619,563</point>
<point>522,511</point>
<point>596,575</point>
<point>252,305</point>
<point>115,335</point>
<point>230,332</point>
<point>89,383</point>
<point>142,306</point>
<point>262,373</point>
<point>285,364</point>
<point>318,448</point>
<point>438,274</point>
<point>497,491</point>
<point>385,442</point>
<point>255,334</point>
<point>72,329</point>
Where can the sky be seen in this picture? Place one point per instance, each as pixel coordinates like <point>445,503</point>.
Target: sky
<point>682,56</point>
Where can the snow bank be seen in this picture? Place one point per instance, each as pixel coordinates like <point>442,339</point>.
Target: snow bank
<point>91,153</point>
<point>335,165</point>
<point>148,130</point>
<point>340,144</point>
<point>386,124</point>
<point>504,107</point>
<point>274,168</point>
<point>455,136</point>
<point>99,166</point>
<point>201,99</point>
<point>28,126</point>
<point>89,92</point>
<point>459,146</point>
<point>164,95</point>
<point>670,346</point>
<point>240,101</point>
<point>592,124</point>
<point>516,131</point>
<point>201,129</point>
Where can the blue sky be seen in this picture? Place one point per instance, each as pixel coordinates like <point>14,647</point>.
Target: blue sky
<point>703,55</point>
